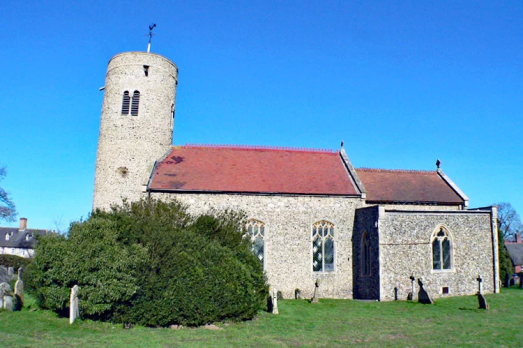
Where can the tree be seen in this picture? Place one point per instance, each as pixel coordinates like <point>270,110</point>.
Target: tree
<point>7,207</point>
<point>509,222</point>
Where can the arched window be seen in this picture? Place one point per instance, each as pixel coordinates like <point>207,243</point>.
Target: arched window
<point>365,254</point>
<point>256,231</point>
<point>323,247</point>
<point>135,103</point>
<point>441,250</point>
<point>125,103</point>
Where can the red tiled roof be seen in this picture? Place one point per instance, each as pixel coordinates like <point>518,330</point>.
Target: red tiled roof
<point>407,186</point>
<point>250,169</point>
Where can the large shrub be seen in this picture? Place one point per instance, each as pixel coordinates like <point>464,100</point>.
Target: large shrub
<point>153,264</point>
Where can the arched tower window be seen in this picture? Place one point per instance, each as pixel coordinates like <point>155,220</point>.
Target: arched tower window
<point>365,254</point>
<point>125,103</point>
<point>135,104</point>
<point>441,250</point>
<point>256,231</point>
<point>323,247</point>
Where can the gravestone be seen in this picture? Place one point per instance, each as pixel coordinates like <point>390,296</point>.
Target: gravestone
<point>482,301</point>
<point>5,287</point>
<point>4,275</point>
<point>19,285</point>
<point>410,296</point>
<point>315,297</point>
<point>73,309</point>
<point>395,294</point>
<point>423,295</point>
<point>8,302</point>
<point>11,272</point>
<point>5,290</point>
<point>506,283</point>
<point>297,294</point>
<point>479,279</point>
<point>275,302</point>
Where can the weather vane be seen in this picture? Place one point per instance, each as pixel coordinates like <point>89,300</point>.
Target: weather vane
<point>151,27</point>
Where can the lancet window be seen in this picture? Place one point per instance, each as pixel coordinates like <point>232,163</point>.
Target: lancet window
<point>323,247</point>
<point>256,231</point>
<point>441,250</point>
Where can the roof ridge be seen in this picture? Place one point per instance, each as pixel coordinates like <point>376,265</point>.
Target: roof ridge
<point>259,147</point>
<point>396,170</point>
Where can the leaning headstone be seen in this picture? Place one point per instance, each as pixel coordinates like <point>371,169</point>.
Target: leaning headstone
<point>73,309</point>
<point>506,283</point>
<point>275,302</point>
<point>8,302</point>
<point>315,296</point>
<point>423,295</point>
<point>11,272</point>
<point>4,275</point>
<point>482,301</point>
<point>19,285</point>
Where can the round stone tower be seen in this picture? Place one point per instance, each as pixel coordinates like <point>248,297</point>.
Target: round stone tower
<point>136,126</point>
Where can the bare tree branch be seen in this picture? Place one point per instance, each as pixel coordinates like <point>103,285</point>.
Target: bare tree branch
<point>7,206</point>
<point>509,221</point>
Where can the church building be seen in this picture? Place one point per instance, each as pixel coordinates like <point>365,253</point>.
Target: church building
<point>363,233</point>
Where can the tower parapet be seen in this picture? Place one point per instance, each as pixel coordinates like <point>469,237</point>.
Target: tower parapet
<point>136,125</point>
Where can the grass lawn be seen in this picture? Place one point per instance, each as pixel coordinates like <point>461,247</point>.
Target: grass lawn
<point>331,323</point>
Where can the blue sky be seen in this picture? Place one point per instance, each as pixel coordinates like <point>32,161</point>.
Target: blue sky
<point>401,82</point>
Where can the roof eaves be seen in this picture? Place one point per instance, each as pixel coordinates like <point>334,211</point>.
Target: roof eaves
<point>454,187</point>
<point>358,184</point>
<point>266,193</point>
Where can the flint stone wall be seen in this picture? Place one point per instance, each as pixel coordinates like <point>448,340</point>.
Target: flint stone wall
<point>128,145</point>
<point>288,236</point>
<point>366,286</point>
<point>406,249</point>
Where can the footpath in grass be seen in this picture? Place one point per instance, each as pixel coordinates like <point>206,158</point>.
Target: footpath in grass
<point>331,323</point>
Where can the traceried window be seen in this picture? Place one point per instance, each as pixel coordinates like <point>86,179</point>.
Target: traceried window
<point>323,247</point>
<point>125,103</point>
<point>135,104</point>
<point>256,231</point>
<point>441,250</point>
<point>365,254</point>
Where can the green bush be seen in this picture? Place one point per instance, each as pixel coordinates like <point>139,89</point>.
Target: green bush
<point>151,263</point>
<point>14,261</point>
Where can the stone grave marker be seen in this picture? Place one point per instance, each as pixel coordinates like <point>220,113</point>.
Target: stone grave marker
<point>506,283</point>
<point>315,296</point>
<point>275,302</point>
<point>19,285</point>
<point>73,309</point>
<point>11,272</point>
<point>4,275</point>
<point>482,301</point>
<point>297,294</point>
<point>8,302</point>
<point>423,295</point>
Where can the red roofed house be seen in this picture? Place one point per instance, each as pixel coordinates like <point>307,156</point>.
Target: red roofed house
<point>311,214</point>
